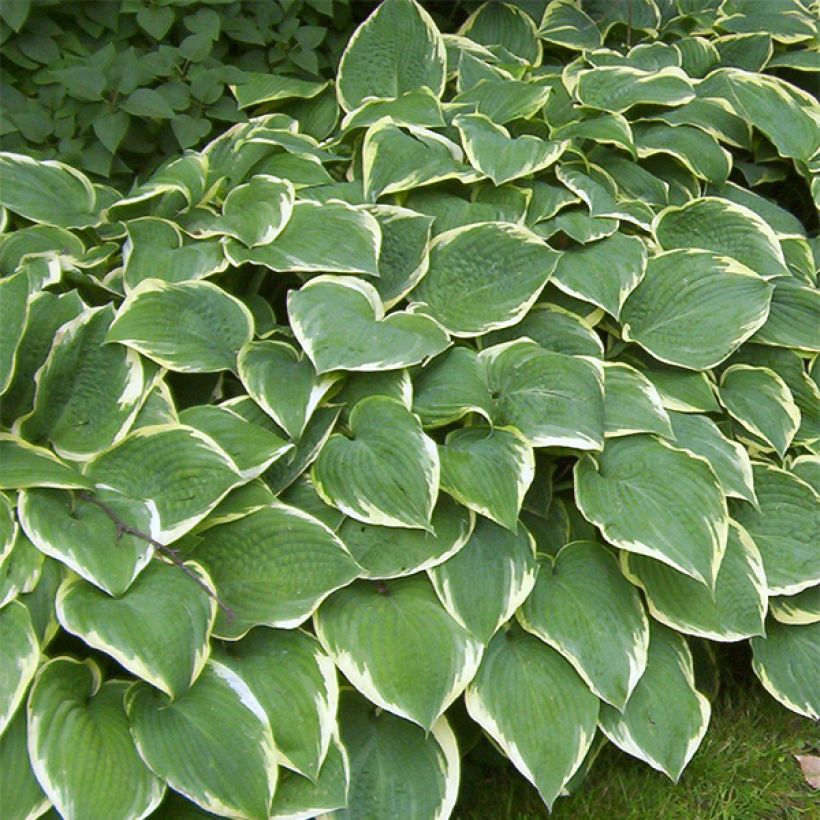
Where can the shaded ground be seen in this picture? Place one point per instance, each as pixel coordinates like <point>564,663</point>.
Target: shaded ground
<point>744,770</point>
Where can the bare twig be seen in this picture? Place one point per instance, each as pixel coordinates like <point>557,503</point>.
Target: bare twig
<point>164,550</point>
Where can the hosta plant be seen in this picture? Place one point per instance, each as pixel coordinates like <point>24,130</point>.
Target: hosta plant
<point>504,396</point>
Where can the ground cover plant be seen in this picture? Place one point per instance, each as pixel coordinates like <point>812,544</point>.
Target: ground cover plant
<point>486,414</point>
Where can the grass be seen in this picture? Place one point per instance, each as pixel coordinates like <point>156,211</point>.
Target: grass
<point>744,770</point>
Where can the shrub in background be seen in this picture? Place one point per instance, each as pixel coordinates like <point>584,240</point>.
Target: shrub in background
<point>505,394</point>
<point>116,87</point>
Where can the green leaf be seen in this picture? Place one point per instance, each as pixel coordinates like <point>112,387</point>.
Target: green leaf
<point>484,276</point>
<point>149,103</point>
<point>631,403</point>
<point>725,228</point>
<point>388,753</point>
<point>388,449</point>
<point>491,150</point>
<point>505,100</point>
<point>483,584</point>
<point>70,709</point>
<point>251,447</point>
<point>22,795</point>
<point>20,653</point>
<point>803,608</point>
<point>793,316</point>
<point>786,662</point>
<point>155,20</point>
<point>698,151</point>
<point>398,646</point>
<point>14,310</point>
<point>256,213</point>
<point>649,498</point>
<point>341,324</point>
<point>259,88</point>
<point>618,88</point>
<point>735,610</point>
<point>47,192</point>
<point>568,26</point>
<point>158,630</point>
<point>179,474</point>
<point>343,239</point>
<point>604,272</point>
<point>584,608</point>
<point>507,26</point>
<point>555,400</point>
<point>20,570</point>
<point>685,391</point>
<point>88,393</point>
<point>666,717</point>
<point>525,691</point>
<point>397,49</point>
<point>189,327</point>
<point>272,567</point>
<point>760,400</point>
<point>489,470</point>
<point>24,465</point>
<point>295,683</point>
<point>785,526</point>
<point>694,308</point>
<point>213,744</point>
<point>420,107</point>
<point>283,383</point>
<point>386,552</point>
<point>729,460</point>
<point>81,535</point>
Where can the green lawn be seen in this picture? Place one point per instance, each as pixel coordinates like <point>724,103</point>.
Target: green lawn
<point>744,770</point>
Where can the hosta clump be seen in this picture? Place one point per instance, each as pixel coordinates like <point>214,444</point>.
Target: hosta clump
<point>506,394</point>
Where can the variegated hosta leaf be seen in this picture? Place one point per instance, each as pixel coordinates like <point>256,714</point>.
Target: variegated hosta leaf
<point>584,608</point>
<point>20,655</point>
<point>666,717</point>
<point>568,26</point>
<point>786,661</point>
<point>686,391</point>
<point>484,276</point>
<point>343,239</point>
<point>618,88</point>
<point>503,158</point>
<point>22,795</point>
<point>693,308</point>
<point>735,610</point>
<point>451,386</point>
<point>785,526</point>
<point>252,448</point>
<point>88,393</point>
<point>396,769</point>
<point>649,498</point>
<point>14,309</point>
<point>158,630</point>
<point>179,474</point>
<point>725,228</point>
<point>525,692</point>
<point>341,325</point>
<point>483,584</point>
<point>398,646</point>
<point>255,213</point>
<point>387,450</point>
<point>604,272</point>
<point>793,316</point>
<point>388,552</point>
<point>398,159</point>
<point>295,683</point>
<point>802,608</point>
<point>555,400</point>
<point>190,327</point>
<point>84,537</point>
<point>397,49</point>
<point>20,570</point>
<point>489,470</point>
<point>730,462</point>
<point>8,526</point>
<point>760,400</point>
<point>807,468</point>
<point>50,192</point>
<point>155,249</point>
<point>272,567</point>
<point>213,744</point>
<point>298,796</point>
<point>71,710</point>
<point>631,403</point>
<point>283,383</point>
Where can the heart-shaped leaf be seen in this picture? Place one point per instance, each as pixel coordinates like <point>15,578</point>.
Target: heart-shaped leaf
<point>20,654</point>
<point>341,325</point>
<point>22,795</point>
<point>158,630</point>
<point>255,213</point>
<point>388,450</point>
